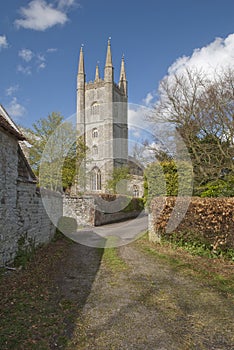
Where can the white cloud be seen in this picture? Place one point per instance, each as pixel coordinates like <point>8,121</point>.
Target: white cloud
<point>41,66</point>
<point>216,56</point>
<point>51,50</point>
<point>137,118</point>
<point>148,100</point>
<point>11,90</point>
<point>3,42</point>
<point>211,59</point>
<point>15,109</point>
<point>66,3</point>
<point>41,62</point>
<point>36,59</point>
<point>40,15</point>
<point>24,70</point>
<point>41,58</point>
<point>26,54</point>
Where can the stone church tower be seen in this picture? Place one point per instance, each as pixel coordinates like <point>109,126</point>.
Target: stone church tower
<point>102,120</point>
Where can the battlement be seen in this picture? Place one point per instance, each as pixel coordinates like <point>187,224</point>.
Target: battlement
<point>101,83</point>
<point>94,84</point>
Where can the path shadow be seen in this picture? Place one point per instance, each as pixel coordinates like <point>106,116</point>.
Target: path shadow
<point>74,280</point>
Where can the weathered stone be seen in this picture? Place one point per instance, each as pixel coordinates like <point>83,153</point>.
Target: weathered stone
<point>22,213</point>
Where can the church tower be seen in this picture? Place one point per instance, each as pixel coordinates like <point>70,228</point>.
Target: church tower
<point>102,121</point>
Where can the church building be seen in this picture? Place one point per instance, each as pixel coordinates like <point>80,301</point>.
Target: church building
<point>102,122</point>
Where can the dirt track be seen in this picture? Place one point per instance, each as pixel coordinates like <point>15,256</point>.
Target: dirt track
<point>142,304</point>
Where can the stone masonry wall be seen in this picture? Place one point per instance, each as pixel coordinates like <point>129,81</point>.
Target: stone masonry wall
<point>34,221</point>
<point>23,217</point>
<point>8,196</point>
<point>84,210</point>
<point>81,208</point>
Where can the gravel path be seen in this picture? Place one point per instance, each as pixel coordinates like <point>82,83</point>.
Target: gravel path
<point>147,305</point>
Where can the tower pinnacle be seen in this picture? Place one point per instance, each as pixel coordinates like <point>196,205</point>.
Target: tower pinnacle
<point>122,71</point>
<point>122,79</point>
<point>109,70</point>
<point>108,54</point>
<point>81,62</point>
<point>97,76</point>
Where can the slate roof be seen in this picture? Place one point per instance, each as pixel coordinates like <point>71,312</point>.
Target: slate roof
<point>9,129</point>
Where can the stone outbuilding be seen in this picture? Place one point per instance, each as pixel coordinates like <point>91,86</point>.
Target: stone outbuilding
<point>24,222</point>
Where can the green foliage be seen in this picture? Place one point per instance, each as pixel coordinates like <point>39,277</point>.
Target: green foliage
<point>135,204</point>
<point>55,153</point>
<point>167,178</point>
<point>197,245</point>
<point>118,180</point>
<point>218,188</point>
<point>39,135</point>
<point>26,249</point>
<point>72,162</point>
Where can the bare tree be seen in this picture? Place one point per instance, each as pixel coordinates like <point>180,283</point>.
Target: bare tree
<point>201,109</point>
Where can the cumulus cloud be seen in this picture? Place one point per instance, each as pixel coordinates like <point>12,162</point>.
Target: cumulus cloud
<point>211,59</point>
<point>3,42</point>
<point>26,54</point>
<point>214,57</point>
<point>24,69</point>
<point>41,58</point>
<point>41,66</point>
<point>148,100</point>
<point>15,109</point>
<point>139,129</point>
<point>37,60</point>
<point>11,90</point>
<point>51,50</point>
<point>136,114</point>
<point>66,3</point>
<point>40,15</point>
<point>41,62</point>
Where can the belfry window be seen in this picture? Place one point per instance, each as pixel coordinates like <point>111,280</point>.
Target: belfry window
<point>135,191</point>
<point>96,184</point>
<point>95,133</point>
<point>95,108</point>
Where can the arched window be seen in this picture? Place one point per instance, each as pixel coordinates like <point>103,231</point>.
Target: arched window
<point>96,180</point>
<point>95,132</point>
<point>135,191</point>
<point>95,150</point>
<point>95,108</point>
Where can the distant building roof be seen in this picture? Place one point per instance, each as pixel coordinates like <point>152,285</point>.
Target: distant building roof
<point>9,128</point>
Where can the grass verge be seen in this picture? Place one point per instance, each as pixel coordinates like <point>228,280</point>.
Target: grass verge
<point>112,260</point>
<point>216,272</point>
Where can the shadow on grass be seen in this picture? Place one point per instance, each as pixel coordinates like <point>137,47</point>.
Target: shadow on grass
<point>40,306</point>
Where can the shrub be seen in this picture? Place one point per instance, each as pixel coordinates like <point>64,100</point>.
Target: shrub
<point>208,220</point>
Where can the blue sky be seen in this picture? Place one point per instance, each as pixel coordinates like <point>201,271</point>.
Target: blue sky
<point>40,42</point>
